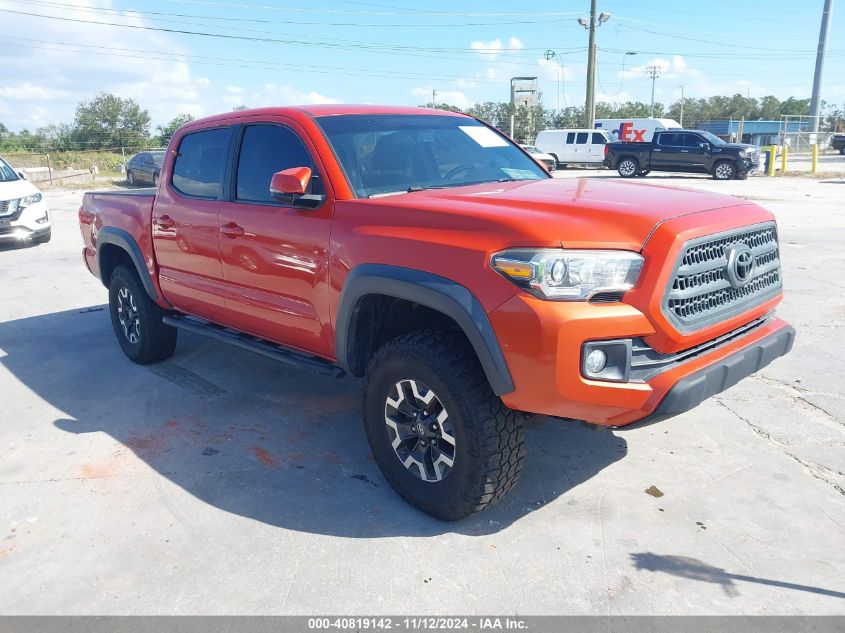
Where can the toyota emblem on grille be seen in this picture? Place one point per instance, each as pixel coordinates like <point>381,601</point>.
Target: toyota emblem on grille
<point>740,265</point>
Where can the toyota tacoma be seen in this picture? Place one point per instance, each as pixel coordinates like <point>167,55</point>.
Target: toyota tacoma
<point>430,254</point>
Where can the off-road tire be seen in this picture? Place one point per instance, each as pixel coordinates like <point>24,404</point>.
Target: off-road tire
<point>724,170</point>
<point>628,167</point>
<point>489,443</point>
<point>155,340</point>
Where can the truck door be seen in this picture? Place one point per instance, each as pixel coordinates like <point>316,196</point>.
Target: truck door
<point>667,151</point>
<point>695,156</point>
<point>274,255</point>
<point>185,223</point>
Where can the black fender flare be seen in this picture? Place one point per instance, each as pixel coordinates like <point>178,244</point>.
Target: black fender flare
<point>430,290</point>
<point>122,239</point>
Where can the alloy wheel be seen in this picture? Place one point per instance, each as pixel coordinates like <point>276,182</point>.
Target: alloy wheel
<point>627,168</point>
<point>127,314</point>
<point>420,431</point>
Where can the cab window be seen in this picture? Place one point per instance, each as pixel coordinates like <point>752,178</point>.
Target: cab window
<point>266,149</point>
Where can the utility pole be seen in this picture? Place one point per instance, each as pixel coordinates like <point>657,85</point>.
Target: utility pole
<point>433,97</point>
<point>590,101</point>
<point>816,102</point>
<point>682,105</point>
<point>654,73</point>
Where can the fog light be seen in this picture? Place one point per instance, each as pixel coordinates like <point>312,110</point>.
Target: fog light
<point>596,361</point>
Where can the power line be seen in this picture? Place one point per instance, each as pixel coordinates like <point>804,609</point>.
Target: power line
<point>349,45</point>
<point>231,62</point>
<point>160,14</point>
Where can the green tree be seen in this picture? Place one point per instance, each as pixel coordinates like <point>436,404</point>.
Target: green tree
<point>110,121</point>
<point>166,131</point>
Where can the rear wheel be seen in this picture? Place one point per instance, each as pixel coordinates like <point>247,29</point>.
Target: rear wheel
<point>136,320</point>
<point>724,170</point>
<point>842,150</point>
<point>628,167</point>
<point>441,437</point>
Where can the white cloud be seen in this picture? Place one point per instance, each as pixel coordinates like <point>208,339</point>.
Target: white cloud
<point>42,82</point>
<point>494,48</point>
<point>455,98</point>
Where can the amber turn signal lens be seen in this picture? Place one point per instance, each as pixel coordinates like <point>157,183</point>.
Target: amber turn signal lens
<point>515,270</point>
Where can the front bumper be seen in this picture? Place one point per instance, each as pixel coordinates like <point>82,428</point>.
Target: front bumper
<point>543,340</point>
<point>27,223</point>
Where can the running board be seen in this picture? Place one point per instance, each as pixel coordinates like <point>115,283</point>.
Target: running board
<point>255,344</point>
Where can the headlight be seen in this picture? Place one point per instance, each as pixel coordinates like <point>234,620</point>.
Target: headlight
<point>743,153</point>
<point>32,198</point>
<point>566,275</point>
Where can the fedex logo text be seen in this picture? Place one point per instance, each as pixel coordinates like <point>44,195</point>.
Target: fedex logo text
<point>627,133</point>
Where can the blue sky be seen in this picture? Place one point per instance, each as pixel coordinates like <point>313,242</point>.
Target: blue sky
<point>266,52</point>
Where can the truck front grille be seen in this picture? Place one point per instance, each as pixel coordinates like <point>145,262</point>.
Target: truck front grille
<point>708,285</point>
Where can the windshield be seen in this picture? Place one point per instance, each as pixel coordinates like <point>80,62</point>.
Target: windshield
<point>7,174</point>
<point>386,154</point>
<point>712,138</point>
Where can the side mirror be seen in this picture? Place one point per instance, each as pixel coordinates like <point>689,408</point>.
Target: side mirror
<point>704,146</point>
<point>22,175</point>
<point>290,186</point>
<point>290,182</point>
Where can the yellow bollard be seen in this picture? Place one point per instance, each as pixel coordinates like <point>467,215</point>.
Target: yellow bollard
<point>783,153</point>
<point>773,152</point>
<point>815,154</point>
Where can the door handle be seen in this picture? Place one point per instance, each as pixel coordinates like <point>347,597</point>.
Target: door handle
<point>684,151</point>
<point>657,149</point>
<point>231,230</point>
<point>164,222</point>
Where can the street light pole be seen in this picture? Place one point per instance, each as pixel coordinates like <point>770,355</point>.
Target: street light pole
<point>816,102</point>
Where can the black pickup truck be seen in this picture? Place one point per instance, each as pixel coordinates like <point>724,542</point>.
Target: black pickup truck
<point>837,141</point>
<point>683,150</point>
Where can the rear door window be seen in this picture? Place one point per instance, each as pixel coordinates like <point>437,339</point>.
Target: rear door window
<point>582,138</point>
<point>669,140</point>
<point>198,169</point>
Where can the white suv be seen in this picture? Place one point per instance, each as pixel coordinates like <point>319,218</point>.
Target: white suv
<point>23,210</point>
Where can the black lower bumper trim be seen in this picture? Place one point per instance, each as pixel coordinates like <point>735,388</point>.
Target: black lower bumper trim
<point>691,391</point>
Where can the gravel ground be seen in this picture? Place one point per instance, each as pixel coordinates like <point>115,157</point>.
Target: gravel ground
<point>220,482</point>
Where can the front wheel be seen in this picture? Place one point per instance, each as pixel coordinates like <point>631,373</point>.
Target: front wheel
<point>724,170</point>
<point>842,150</point>
<point>443,440</point>
<point>628,167</point>
<point>136,320</point>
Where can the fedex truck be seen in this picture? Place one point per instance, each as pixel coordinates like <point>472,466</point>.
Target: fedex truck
<point>635,130</point>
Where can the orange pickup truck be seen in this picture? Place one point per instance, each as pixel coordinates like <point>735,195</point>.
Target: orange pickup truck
<point>428,252</point>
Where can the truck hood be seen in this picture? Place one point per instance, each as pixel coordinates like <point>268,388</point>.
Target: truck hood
<point>568,212</point>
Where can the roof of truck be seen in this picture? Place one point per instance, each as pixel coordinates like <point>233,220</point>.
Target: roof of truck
<point>318,110</point>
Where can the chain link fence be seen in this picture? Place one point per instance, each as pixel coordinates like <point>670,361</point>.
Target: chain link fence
<point>56,167</point>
